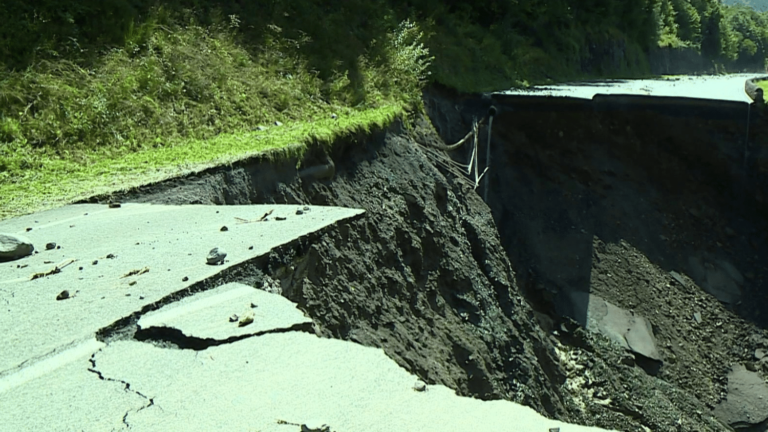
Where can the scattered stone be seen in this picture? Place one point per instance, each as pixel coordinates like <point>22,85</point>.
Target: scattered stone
<point>234,318</point>
<point>13,247</point>
<point>81,269</point>
<point>29,229</point>
<point>49,246</point>
<point>751,366</point>
<point>554,429</point>
<point>697,317</point>
<point>334,116</point>
<point>280,218</point>
<point>131,283</point>
<point>246,319</point>
<point>224,228</point>
<point>250,248</point>
<point>63,295</point>
<point>299,212</point>
<point>184,279</point>
<point>58,247</point>
<point>261,128</point>
<point>676,276</point>
<point>111,256</point>
<point>216,256</point>
<point>420,386</point>
<point>760,353</point>
<point>114,205</point>
<point>47,262</point>
<point>277,123</point>
<point>315,426</point>
<point>95,262</point>
<point>306,209</point>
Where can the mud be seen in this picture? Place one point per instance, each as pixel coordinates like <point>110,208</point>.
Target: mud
<point>467,295</point>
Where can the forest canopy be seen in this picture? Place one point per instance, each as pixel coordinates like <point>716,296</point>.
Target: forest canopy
<point>477,45</point>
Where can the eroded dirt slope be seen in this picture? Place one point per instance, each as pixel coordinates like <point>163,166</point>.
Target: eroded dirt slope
<point>657,212</point>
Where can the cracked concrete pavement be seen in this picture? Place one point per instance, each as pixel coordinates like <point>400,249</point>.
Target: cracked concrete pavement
<point>221,357</point>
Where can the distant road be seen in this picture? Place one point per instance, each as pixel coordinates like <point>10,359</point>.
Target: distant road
<point>718,87</point>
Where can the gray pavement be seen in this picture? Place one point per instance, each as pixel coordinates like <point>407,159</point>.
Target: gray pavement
<point>230,358</point>
<point>160,245</point>
<point>716,87</point>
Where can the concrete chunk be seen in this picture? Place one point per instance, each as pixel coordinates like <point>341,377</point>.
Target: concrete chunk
<point>206,315</point>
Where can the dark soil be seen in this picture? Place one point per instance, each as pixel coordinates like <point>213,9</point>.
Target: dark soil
<point>466,295</point>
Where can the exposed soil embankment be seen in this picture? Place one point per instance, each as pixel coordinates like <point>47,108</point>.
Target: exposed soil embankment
<point>422,275</point>
<point>589,198</point>
<point>653,206</point>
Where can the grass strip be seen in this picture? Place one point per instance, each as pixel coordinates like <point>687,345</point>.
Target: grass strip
<point>61,181</point>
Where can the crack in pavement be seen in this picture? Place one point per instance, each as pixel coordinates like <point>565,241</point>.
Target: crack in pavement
<point>126,387</point>
<point>168,337</point>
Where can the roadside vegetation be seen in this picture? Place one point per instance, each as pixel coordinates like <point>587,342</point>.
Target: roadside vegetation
<point>96,95</point>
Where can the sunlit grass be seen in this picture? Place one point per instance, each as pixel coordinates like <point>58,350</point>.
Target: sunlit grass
<point>60,181</point>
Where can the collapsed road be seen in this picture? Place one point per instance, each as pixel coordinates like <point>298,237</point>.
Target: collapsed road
<point>612,278</point>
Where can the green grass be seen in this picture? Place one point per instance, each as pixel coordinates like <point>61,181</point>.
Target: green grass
<point>58,182</point>
<point>763,85</point>
<point>179,98</point>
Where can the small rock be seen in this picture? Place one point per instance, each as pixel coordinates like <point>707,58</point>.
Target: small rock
<point>261,128</point>
<point>420,386</point>
<point>111,256</point>
<point>216,256</point>
<point>334,116</point>
<point>760,353</point>
<point>306,209</point>
<point>280,218</point>
<point>95,262</point>
<point>80,268</point>
<point>277,123</point>
<point>246,319</point>
<point>224,228</point>
<point>751,366</point>
<point>184,279</point>
<point>49,246</point>
<point>29,229</point>
<point>58,247</point>
<point>131,283</point>
<point>63,295</point>
<point>114,205</point>
<point>234,318</point>
<point>250,248</point>
<point>13,247</point>
<point>299,212</point>
<point>697,317</point>
<point>315,426</point>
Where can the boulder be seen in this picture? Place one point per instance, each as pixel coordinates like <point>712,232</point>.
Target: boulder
<point>746,405</point>
<point>14,246</point>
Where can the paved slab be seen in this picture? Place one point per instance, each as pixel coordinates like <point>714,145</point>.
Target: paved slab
<point>627,329</point>
<point>222,313</point>
<point>71,399</point>
<point>267,382</point>
<point>298,378</point>
<point>120,260</point>
<point>717,87</point>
